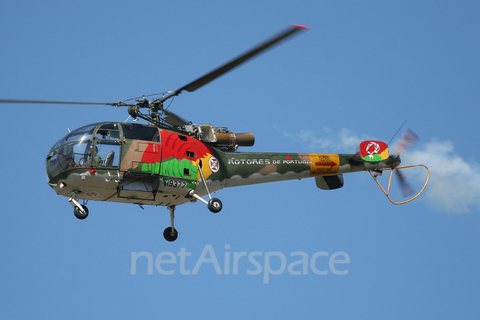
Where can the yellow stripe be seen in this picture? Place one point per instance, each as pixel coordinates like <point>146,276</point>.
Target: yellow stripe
<point>324,164</point>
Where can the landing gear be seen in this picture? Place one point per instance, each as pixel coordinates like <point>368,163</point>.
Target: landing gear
<point>170,233</point>
<point>81,214</point>
<point>80,210</point>
<point>214,205</point>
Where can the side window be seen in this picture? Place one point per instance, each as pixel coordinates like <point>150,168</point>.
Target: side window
<point>140,132</point>
<point>109,153</point>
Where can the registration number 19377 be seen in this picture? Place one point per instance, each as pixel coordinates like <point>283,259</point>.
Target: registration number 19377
<point>174,183</point>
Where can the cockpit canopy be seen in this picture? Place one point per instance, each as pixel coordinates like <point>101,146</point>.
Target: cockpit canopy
<point>95,145</point>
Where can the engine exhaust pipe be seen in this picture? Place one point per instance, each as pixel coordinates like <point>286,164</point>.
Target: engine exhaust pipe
<point>244,139</point>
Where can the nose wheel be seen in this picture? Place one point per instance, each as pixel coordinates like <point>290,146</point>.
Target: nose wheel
<point>79,210</point>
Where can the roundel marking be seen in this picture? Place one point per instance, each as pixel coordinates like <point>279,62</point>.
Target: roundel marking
<point>214,164</point>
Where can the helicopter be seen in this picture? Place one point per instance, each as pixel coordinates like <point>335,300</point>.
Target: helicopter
<point>170,161</point>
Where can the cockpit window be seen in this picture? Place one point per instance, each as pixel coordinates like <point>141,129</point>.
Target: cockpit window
<point>83,133</point>
<point>80,148</point>
<point>140,132</point>
<point>101,148</point>
<point>55,146</point>
<point>108,131</point>
<point>69,156</point>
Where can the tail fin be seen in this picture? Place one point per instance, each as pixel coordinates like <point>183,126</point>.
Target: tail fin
<point>373,151</point>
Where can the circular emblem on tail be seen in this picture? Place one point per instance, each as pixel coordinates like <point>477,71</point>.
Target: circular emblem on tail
<point>372,148</point>
<point>373,151</point>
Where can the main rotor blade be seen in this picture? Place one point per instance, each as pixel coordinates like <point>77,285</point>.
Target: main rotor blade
<point>118,104</point>
<point>173,119</point>
<point>192,86</point>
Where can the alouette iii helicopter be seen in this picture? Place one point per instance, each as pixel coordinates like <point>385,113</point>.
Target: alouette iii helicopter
<point>172,162</point>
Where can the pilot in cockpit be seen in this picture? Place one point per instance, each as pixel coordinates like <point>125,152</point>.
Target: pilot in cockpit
<point>95,160</point>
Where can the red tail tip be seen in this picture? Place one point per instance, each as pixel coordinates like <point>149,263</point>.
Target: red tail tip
<point>299,26</point>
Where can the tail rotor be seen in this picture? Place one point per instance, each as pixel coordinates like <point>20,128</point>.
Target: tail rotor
<point>406,140</point>
<point>405,187</point>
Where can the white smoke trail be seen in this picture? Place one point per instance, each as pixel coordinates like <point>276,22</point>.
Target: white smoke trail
<point>454,184</point>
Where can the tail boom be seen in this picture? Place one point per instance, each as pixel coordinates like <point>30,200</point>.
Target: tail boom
<point>251,168</point>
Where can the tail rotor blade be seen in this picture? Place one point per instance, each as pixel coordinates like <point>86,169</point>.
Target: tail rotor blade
<point>405,187</point>
<point>407,139</point>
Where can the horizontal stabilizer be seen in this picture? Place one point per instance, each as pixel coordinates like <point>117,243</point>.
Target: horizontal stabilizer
<point>329,182</point>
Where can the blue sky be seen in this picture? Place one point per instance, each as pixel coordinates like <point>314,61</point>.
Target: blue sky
<point>362,70</point>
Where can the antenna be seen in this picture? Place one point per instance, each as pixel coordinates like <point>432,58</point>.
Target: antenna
<point>397,132</point>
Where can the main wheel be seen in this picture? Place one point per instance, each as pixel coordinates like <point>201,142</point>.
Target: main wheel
<point>215,205</point>
<point>169,236</point>
<point>79,214</point>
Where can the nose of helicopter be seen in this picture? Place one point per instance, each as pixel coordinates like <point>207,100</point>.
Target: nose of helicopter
<point>48,166</point>
<point>46,173</point>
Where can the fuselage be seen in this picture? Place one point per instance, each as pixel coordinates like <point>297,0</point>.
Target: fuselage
<point>143,164</point>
